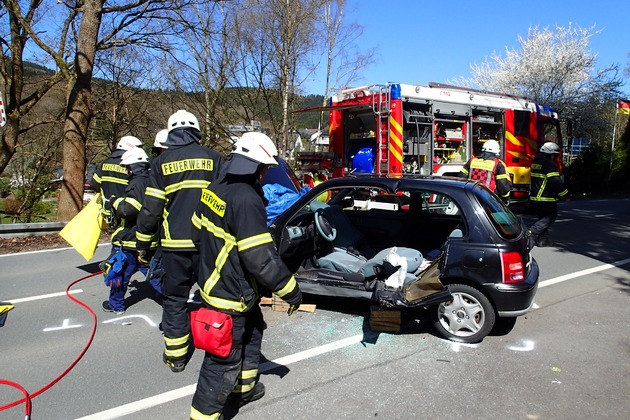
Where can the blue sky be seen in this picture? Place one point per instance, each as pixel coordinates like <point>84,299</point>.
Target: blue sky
<point>422,41</point>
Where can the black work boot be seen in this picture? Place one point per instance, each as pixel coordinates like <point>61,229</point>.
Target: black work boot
<point>176,364</point>
<point>256,393</point>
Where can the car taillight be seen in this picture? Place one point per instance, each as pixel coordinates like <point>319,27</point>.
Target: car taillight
<point>513,267</point>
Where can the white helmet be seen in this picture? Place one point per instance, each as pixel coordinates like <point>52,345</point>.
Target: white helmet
<point>160,139</point>
<point>135,155</point>
<point>128,143</point>
<point>182,119</point>
<point>491,146</point>
<point>257,147</point>
<point>550,148</point>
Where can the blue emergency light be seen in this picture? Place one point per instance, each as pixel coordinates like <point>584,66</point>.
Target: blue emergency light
<point>395,91</point>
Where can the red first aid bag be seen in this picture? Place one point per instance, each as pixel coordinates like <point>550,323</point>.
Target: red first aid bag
<point>212,331</point>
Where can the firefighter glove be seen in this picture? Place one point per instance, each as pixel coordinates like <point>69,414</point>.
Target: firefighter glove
<point>143,258</point>
<point>108,204</point>
<point>293,307</point>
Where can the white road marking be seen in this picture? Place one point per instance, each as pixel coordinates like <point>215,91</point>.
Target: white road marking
<point>457,347</point>
<point>581,273</point>
<point>47,250</point>
<point>188,390</point>
<point>65,325</point>
<point>50,295</point>
<point>120,318</point>
<point>149,402</point>
<point>527,345</point>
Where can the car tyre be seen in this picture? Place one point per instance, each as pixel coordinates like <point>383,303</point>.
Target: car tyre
<point>467,318</point>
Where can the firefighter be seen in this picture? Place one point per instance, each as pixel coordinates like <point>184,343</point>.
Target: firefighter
<point>546,188</point>
<point>122,264</point>
<point>238,259</point>
<point>155,272</point>
<point>111,177</point>
<point>489,169</point>
<point>158,143</point>
<point>176,179</point>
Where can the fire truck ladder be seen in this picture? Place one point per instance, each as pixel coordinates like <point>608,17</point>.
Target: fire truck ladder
<point>381,106</point>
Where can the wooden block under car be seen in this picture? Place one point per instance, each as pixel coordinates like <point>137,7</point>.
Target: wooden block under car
<point>384,320</point>
<point>279,305</point>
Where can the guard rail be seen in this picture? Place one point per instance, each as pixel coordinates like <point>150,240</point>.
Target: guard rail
<point>14,230</point>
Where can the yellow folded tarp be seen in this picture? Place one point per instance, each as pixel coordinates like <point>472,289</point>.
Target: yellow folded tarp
<point>84,230</point>
<point>4,309</point>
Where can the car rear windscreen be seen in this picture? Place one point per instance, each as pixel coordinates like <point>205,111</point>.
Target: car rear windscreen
<point>505,222</point>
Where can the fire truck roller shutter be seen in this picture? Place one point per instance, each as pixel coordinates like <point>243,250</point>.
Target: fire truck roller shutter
<point>445,108</point>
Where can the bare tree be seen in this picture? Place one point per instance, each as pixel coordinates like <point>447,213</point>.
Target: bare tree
<point>343,58</point>
<point>127,24</point>
<point>22,98</point>
<point>278,42</point>
<point>201,63</point>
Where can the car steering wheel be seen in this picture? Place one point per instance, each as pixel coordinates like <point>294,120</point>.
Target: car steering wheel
<point>325,226</point>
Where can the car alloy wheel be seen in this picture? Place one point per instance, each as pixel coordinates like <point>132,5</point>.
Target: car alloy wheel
<point>467,318</point>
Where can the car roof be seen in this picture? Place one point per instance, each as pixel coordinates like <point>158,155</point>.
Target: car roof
<point>395,183</point>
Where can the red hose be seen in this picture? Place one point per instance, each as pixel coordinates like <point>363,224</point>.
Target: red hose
<point>27,398</point>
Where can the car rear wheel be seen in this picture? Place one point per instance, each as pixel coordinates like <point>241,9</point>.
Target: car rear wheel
<point>467,318</point>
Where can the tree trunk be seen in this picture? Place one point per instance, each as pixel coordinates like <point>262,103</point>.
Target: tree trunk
<point>79,113</point>
<point>9,141</point>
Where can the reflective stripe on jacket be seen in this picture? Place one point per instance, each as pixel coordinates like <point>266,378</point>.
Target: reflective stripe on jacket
<point>176,179</point>
<point>546,183</point>
<point>127,209</point>
<point>490,171</point>
<point>110,178</point>
<point>237,253</point>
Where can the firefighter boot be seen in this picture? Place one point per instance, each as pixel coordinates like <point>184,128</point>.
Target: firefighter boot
<point>256,393</point>
<point>178,364</point>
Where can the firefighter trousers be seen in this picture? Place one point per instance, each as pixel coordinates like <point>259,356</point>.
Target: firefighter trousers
<point>546,213</point>
<point>179,278</point>
<point>234,375</point>
<point>117,293</point>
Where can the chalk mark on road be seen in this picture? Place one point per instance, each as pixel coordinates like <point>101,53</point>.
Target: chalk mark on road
<point>65,325</point>
<point>120,318</point>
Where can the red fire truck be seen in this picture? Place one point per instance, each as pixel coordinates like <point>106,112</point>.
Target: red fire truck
<point>398,129</point>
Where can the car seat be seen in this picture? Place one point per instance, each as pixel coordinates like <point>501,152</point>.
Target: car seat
<point>351,254</point>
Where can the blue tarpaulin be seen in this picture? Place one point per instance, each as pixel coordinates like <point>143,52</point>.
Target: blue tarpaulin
<point>280,198</point>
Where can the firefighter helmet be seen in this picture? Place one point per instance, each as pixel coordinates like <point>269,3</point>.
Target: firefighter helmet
<point>257,147</point>
<point>160,139</point>
<point>491,146</point>
<point>249,152</point>
<point>182,119</point>
<point>550,148</point>
<point>128,143</point>
<point>135,155</point>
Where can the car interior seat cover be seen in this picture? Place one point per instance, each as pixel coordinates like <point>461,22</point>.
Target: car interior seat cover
<point>347,262</point>
<point>345,257</point>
